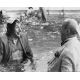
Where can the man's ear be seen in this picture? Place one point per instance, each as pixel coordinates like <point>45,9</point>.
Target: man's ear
<point>67,31</point>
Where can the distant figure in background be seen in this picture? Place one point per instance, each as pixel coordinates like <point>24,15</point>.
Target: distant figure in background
<point>41,14</point>
<point>30,12</point>
<point>14,48</point>
<point>67,58</point>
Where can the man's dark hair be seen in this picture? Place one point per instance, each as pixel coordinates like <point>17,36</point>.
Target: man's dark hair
<point>11,28</point>
<point>30,7</point>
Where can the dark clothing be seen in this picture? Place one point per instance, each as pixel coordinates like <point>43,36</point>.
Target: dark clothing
<point>11,52</point>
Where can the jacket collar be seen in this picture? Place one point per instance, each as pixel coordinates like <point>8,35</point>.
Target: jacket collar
<point>63,42</point>
<point>68,40</point>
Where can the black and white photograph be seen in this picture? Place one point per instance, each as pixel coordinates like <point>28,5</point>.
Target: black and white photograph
<point>39,39</point>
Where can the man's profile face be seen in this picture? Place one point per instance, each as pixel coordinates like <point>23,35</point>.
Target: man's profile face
<point>17,28</point>
<point>63,34</point>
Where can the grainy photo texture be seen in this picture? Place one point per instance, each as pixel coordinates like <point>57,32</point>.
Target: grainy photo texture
<point>39,39</point>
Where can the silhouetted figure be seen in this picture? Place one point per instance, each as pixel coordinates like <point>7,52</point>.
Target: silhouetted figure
<point>42,14</point>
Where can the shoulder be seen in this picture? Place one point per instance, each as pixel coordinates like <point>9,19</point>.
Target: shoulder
<point>67,53</point>
<point>64,52</point>
<point>24,38</point>
<point>59,51</point>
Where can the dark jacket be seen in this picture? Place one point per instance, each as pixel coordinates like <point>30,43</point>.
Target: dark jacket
<point>5,48</point>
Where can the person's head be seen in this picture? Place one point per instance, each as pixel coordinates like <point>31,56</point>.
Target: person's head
<point>70,28</point>
<point>11,28</point>
<point>30,7</point>
<point>17,26</point>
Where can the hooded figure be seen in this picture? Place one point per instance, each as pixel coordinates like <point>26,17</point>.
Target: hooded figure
<point>14,48</point>
<point>67,57</point>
